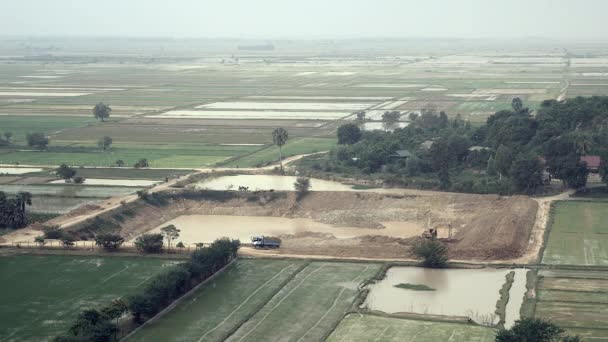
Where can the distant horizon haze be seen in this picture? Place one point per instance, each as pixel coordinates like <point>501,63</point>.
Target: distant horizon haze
<point>314,19</point>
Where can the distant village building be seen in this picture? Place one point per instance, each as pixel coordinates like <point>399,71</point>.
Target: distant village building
<point>427,145</point>
<point>593,163</point>
<point>478,148</point>
<point>401,154</point>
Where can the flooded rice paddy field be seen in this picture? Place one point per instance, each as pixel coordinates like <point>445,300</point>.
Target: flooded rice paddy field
<point>18,170</point>
<point>207,228</point>
<point>268,182</point>
<point>69,190</point>
<point>114,182</point>
<point>575,299</point>
<point>471,293</point>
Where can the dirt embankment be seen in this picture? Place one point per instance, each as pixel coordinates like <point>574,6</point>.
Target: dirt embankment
<point>485,227</point>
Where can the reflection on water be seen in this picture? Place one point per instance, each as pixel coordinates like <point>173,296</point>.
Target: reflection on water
<point>459,292</point>
<point>207,228</point>
<point>267,182</point>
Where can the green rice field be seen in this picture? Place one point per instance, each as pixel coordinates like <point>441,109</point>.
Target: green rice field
<point>293,299</point>
<point>41,295</point>
<point>579,234</point>
<point>362,328</point>
<point>576,300</point>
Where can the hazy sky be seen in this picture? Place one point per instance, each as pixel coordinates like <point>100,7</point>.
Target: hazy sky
<point>306,18</point>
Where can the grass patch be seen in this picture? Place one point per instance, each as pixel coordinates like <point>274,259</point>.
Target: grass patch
<point>414,287</point>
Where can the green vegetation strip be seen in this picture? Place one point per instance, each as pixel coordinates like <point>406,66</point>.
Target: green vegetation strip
<point>415,287</point>
<point>362,328</point>
<point>43,294</point>
<point>501,304</point>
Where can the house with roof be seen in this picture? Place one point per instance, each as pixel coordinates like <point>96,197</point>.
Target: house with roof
<point>401,154</point>
<point>593,163</point>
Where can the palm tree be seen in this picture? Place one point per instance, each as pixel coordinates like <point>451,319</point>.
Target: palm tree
<point>279,138</point>
<point>23,199</point>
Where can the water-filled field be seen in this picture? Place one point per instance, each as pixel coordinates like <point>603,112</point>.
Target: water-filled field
<point>268,182</point>
<point>471,293</point>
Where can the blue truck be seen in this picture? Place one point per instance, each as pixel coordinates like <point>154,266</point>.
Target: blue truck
<point>265,242</point>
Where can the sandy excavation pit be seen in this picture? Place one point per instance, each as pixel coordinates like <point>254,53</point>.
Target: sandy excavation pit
<point>341,224</point>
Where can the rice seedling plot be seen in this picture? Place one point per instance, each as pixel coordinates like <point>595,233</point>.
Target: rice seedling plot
<point>114,182</point>
<point>579,234</point>
<point>287,105</point>
<point>157,157</point>
<point>58,190</point>
<point>262,114</point>
<point>20,125</point>
<point>309,306</point>
<point>293,147</point>
<point>362,328</point>
<point>576,300</point>
<point>41,295</point>
<point>217,308</point>
<point>59,205</point>
<point>128,173</point>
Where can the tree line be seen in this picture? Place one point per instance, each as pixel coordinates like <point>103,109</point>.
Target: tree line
<point>514,151</point>
<point>101,325</point>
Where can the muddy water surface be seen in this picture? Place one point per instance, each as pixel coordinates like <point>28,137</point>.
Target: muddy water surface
<point>458,292</point>
<point>268,182</point>
<point>207,228</point>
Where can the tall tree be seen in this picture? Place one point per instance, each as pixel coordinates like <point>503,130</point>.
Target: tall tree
<point>170,233</point>
<point>8,136</point>
<point>37,140</point>
<point>517,105</point>
<point>101,111</point>
<point>279,138</point>
<point>534,330</point>
<point>65,172</point>
<point>348,134</point>
<point>503,160</point>
<point>527,172</point>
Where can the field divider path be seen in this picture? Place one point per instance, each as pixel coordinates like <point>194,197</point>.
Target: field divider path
<point>280,302</point>
<point>245,301</point>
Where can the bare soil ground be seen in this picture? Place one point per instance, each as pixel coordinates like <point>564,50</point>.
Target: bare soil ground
<point>487,227</point>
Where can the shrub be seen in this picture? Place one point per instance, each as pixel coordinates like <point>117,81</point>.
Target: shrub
<point>149,243</point>
<point>433,252</point>
<point>302,187</point>
<point>52,232</point>
<point>78,180</point>
<point>68,241</point>
<point>109,241</point>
